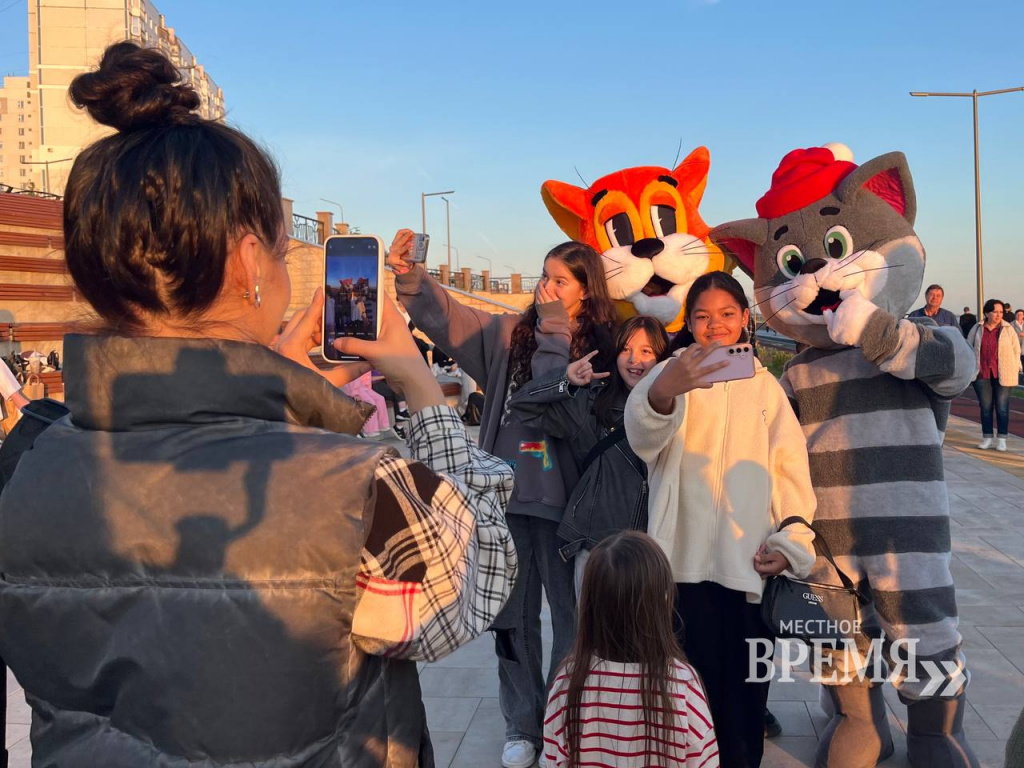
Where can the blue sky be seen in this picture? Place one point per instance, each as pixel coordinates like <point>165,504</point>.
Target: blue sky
<point>370,104</point>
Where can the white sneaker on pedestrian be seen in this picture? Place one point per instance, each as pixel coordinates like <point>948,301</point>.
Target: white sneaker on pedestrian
<point>1001,444</point>
<point>985,444</point>
<point>518,754</point>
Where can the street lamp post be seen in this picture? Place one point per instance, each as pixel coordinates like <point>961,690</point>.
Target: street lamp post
<point>448,224</point>
<point>46,169</point>
<point>341,210</point>
<point>458,258</point>
<point>423,208</point>
<point>974,96</point>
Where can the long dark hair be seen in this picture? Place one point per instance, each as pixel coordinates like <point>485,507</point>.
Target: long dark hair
<point>625,614</point>
<point>150,212</point>
<point>594,322</point>
<point>615,390</point>
<point>718,279</point>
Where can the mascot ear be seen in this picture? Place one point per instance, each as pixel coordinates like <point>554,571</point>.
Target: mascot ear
<point>569,206</point>
<point>888,177</point>
<point>741,239</point>
<point>692,175</point>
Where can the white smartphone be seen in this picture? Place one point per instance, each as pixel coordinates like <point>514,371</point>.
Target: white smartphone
<point>353,266</point>
<point>740,359</point>
<point>418,254</point>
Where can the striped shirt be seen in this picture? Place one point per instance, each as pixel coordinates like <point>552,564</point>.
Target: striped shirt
<point>613,724</point>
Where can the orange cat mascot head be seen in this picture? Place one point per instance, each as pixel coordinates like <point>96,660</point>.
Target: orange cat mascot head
<point>644,223</point>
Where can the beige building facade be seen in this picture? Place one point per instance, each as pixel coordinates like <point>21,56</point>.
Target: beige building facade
<point>41,132</point>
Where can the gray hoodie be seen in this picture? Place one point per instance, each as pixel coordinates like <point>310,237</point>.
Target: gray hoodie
<point>479,342</point>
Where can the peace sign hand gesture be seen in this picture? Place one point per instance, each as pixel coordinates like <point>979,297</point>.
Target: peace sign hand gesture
<point>580,372</point>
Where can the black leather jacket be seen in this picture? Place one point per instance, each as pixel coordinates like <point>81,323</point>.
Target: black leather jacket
<point>611,494</point>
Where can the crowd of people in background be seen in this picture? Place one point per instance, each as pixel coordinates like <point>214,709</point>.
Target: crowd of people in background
<point>998,341</point>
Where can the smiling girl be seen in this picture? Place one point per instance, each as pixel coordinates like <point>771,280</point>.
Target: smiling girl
<point>727,463</point>
<point>585,409</point>
<point>572,315</point>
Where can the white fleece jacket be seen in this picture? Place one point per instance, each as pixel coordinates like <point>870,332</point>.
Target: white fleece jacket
<point>725,468</point>
<point>1008,350</point>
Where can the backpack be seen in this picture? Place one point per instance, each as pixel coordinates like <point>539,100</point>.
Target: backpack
<point>35,418</point>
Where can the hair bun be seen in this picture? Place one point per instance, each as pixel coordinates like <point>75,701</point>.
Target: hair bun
<point>135,88</point>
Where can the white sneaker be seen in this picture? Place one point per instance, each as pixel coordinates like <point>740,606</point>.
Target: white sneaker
<point>518,754</point>
<point>985,444</point>
<point>1001,444</point>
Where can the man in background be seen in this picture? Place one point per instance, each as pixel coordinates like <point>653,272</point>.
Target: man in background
<point>933,308</point>
<point>967,321</point>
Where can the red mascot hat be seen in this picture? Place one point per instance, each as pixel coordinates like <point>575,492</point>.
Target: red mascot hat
<point>803,176</point>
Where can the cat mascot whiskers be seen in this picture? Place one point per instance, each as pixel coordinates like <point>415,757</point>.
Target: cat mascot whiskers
<point>836,265</point>
<point>645,224</point>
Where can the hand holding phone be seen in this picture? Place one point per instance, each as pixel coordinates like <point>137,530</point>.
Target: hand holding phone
<point>738,359</point>
<point>352,278</point>
<point>418,249</point>
<point>399,253</point>
<point>689,369</point>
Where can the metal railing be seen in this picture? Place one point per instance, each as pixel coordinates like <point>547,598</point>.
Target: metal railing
<point>501,285</point>
<point>530,284</point>
<point>8,189</point>
<point>307,230</point>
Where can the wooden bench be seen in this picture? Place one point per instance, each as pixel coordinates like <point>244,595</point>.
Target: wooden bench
<point>24,332</point>
<point>34,265</point>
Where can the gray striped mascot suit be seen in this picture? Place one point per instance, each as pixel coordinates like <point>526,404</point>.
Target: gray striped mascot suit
<point>836,265</point>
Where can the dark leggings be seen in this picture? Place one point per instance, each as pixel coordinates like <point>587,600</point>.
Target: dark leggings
<point>716,625</point>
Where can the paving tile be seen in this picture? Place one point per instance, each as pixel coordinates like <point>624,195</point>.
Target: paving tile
<point>446,744</point>
<point>450,714</point>
<point>12,683</point>
<point>991,615</point>
<point>483,742</point>
<point>994,680</point>
<point>990,754</point>
<point>15,733</point>
<point>1009,641</point>
<point>446,682</point>
<point>18,710</point>
<point>794,718</point>
<point>20,754</point>
<point>789,752</point>
<point>1000,718</point>
<point>476,654</point>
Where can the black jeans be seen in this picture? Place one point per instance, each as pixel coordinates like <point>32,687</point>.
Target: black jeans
<point>716,624</point>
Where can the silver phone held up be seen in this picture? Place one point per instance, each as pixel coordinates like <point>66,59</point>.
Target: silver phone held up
<point>740,359</point>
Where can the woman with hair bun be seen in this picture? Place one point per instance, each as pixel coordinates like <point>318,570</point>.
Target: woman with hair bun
<point>220,573</point>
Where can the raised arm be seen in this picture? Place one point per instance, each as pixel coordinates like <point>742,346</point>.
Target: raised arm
<point>938,357</point>
<point>552,404</point>
<point>649,431</point>
<point>439,562</point>
<point>465,333</point>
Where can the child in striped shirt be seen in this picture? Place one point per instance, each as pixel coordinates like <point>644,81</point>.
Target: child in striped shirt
<point>625,697</point>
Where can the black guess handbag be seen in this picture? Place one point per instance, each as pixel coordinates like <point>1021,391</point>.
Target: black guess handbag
<point>807,610</point>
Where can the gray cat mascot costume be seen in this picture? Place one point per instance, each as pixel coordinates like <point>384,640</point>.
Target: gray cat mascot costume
<point>836,265</point>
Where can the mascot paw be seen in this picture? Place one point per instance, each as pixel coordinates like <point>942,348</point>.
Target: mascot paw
<point>846,323</point>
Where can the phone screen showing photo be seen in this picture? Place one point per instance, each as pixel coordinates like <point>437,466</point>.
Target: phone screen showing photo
<point>351,280</point>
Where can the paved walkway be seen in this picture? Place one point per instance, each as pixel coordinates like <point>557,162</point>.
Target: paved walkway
<point>987,504</point>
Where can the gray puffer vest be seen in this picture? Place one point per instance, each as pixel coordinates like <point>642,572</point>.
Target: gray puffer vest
<point>179,562</point>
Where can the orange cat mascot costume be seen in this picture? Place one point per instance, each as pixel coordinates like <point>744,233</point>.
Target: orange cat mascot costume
<point>645,224</point>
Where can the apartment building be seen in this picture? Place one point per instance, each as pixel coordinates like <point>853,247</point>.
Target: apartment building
<point>41,132</point>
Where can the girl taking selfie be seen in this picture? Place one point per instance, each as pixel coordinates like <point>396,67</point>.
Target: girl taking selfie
<point>727,463</point>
